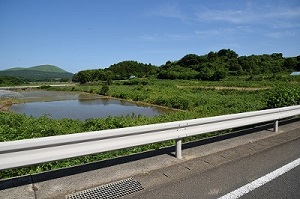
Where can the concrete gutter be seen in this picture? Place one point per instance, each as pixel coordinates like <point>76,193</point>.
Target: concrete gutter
<point>151,168</point>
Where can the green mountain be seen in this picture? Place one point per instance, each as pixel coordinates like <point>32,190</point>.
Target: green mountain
<point>38,73</point>
<point>44,68</point>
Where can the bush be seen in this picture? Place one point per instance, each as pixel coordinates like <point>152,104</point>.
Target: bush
<point>173,102</point>
<point>135,82</point>
<point>104,90</point>
<point>283,96</point>
<point>45,86</point>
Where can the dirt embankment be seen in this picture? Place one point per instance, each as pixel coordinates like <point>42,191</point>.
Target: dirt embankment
<point>4,105</point>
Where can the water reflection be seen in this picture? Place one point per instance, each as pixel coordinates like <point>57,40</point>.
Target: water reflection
<point>84,109</point>
<point>105,102</point>
<point>77,105</point>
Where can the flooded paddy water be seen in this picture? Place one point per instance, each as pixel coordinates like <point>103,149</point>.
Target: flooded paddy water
<point>74,105</point>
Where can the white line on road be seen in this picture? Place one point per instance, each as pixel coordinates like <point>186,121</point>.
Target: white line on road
<point>261,181</point>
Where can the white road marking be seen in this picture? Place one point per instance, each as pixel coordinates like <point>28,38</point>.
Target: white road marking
<point>261,181</point>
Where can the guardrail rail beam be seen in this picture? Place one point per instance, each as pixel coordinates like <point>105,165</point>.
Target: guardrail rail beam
<point>27,152</point>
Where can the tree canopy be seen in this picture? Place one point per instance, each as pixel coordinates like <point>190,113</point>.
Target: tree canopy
<point>213,66</point>
<point>11,81</point>
<point>120,71</point>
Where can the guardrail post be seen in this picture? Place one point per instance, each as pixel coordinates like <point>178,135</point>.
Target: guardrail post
<point>178,148</point>
<point>275,129</point>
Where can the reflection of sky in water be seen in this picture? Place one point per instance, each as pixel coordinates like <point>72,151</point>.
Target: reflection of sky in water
<point>84,109</point>
<point>106,102</point>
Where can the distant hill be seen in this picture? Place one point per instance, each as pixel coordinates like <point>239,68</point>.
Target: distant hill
<point>44,68</point>
<point>38,73</point>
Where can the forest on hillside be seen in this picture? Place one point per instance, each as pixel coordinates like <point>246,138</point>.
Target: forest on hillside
<point>11,81</point>
<point>213,66</point>
<point>35,74</point>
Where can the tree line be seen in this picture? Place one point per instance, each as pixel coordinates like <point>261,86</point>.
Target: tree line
<point>212,66</point>
<point>11,81</point>
<point>119,71</point>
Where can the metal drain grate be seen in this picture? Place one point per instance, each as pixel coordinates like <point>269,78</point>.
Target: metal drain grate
<point>109,191</point>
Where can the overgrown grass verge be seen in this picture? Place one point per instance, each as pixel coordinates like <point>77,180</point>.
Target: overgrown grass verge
<point>188,96</point>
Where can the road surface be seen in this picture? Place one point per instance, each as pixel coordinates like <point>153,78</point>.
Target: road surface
<point>219,181</point>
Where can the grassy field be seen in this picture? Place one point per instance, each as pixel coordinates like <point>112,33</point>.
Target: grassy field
<point>191,99</point>
<point>198,98</point>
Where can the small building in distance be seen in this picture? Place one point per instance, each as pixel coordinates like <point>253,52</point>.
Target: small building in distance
<point>295,73</point>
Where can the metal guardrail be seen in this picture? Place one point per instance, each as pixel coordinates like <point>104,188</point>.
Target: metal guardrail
<point>40,150</point>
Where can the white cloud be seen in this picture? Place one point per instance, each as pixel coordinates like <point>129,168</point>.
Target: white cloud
<point>222,34</point>
<point>155,51</point>
<point>206,33</point>
<point>232,16</point>
<point>251,15</point>
<point>153,37</point>
<point>277,35</point>
<point>170,10</point>
<point>286,13</point>
<point>164,37</point>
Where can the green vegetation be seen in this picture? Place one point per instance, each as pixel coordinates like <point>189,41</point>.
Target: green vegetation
<point>195,99</point>
<point>11,81</point>
<point>39,73</point>
<point>283,96</point>
<point>213,66</point>
<point>196,86</point>
<point>44,68</point>
<point>122,70</point>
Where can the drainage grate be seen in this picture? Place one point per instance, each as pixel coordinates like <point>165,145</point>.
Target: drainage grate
<point>109,191</point>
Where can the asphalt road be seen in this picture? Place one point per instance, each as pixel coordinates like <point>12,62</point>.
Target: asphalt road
<point>285,186</point>
<point>228,177</point>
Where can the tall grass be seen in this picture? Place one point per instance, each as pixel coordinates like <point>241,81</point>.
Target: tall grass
<point>191,100</point>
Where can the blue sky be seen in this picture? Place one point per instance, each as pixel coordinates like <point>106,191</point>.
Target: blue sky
<point>87,34</point>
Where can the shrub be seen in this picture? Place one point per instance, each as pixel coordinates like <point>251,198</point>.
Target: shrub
<point>173,102</point>
<point>135,82</point>
<point>283,96</point>
<point>45,86</point>
<point>104,90</point>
